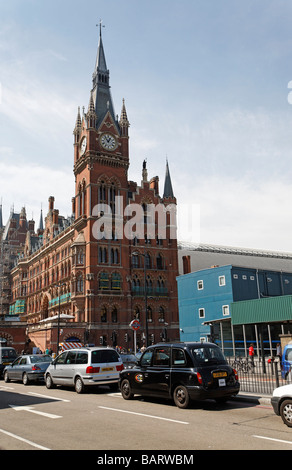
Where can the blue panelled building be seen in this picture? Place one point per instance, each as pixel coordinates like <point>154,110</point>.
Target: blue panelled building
<point>209,299</point>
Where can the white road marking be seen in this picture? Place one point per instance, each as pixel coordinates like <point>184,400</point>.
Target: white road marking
<point>273,439</point>
<point>3,388</point>
<point>31,410</point>
<point>48,396</point>
<point>24,440</point>
<point>142,414</point>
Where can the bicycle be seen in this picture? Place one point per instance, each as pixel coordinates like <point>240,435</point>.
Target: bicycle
<point>239,364</point>
<point>243,365</point>
<point>250,366</point>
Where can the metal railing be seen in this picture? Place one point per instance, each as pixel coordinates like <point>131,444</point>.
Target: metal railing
<point>261,375</point>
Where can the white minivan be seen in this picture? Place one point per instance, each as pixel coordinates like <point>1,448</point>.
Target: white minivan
<point>83,367</point>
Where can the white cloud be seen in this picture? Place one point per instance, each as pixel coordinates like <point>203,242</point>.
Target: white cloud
<point>20,186</point>
<point>234,212</point>
<point>40,111</point>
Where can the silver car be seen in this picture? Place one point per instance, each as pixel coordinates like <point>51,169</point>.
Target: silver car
<point>80,368</point>
<point>28,368</point>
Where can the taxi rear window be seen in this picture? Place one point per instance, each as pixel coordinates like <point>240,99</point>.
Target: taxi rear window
<point>209,354</point>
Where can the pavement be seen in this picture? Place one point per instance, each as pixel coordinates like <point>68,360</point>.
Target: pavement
<point>258,399</point>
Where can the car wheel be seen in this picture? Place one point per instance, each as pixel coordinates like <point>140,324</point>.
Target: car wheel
<point>79,385</point>
<point>6,377</point>
<point>25,379</point>
<point>286,412</point>
<point>181,397</point>
<point>49,381</point>
<point>126,390</point>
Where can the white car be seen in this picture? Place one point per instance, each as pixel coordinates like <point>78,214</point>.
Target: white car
<point>82,367</point>
<point>282,403</point>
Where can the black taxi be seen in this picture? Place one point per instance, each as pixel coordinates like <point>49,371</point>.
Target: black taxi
<point>181,371</point>
<point>7,356</point>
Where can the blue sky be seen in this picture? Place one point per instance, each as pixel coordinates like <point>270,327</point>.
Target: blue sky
<point>205,84</point>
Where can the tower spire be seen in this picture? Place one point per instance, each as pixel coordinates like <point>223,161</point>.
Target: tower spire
<point>41,224</point>
<point>168,191</point>
<point>101,94</point>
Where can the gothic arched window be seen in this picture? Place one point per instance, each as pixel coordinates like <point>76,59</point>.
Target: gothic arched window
<point>104,281</point>
<point>103,314</point>
<point>116,281</point>
<point>114,315</point>
<point>79,284</point>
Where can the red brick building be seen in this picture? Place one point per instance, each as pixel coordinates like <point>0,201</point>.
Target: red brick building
<point>105,266</point>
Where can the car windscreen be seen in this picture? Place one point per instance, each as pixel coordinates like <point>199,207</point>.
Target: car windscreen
<point>34,359</point>
<point>8,353</point>
<point>101,356</point>
<point>208,355</point>
<point>288,356</point>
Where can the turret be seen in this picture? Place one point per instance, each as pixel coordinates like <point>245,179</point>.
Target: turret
<point>91,116</point>
<point>168,191</point>
<point>77,129</point>
<point>124,123</point>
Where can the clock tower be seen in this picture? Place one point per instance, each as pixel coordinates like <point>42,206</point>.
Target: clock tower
<point>100,138</point>
<point>107,289</point>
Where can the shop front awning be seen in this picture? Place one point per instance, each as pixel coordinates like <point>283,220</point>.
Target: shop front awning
<point>62,316</point>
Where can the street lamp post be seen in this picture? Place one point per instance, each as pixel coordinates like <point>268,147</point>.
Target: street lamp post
<point>59,314</point>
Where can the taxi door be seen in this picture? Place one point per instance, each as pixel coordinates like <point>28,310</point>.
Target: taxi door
<point>156,375</point>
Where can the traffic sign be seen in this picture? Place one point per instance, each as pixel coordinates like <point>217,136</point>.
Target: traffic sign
<point>135,325</point>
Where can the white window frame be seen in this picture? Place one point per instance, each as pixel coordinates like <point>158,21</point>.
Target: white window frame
<point>202,284</point>
<point>224,308</point>
<point>222,281</point>
<point>201,309</point>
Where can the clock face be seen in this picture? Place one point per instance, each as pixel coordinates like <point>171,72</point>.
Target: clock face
<point>83,145</point>
<point>108,141</point>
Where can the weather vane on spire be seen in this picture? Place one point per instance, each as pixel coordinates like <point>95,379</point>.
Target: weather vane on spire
<point>100,25</point>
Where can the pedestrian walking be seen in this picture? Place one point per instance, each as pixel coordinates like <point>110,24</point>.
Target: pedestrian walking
<point>251,353</point>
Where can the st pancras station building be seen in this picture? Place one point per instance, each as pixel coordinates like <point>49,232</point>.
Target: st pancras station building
<point>86,278</point>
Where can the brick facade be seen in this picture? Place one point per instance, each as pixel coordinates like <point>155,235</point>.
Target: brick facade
<point>90,267</point>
